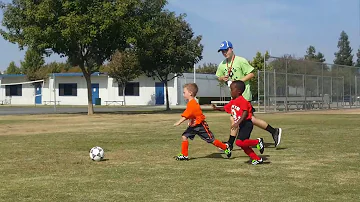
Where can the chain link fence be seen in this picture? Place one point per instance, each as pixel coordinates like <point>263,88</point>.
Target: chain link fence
<point>288,84</point>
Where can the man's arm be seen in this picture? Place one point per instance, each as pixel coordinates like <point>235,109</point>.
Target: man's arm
<point>220,74</point>
<point>247,70</point>
<point>248,77</point>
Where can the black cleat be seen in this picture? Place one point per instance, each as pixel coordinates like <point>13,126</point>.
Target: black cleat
<point>277,136</point>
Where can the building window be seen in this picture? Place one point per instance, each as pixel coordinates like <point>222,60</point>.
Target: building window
<point>13,90</point>
<point>68,89</point>
<point>131,89</point>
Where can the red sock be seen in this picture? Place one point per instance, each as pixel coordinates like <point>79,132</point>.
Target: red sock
<point>185,148</point>
<point>246,143</point>
<point>250,153</point>
<point>219,144</point>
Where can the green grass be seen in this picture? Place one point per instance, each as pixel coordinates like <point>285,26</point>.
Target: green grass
<point>45,158</point>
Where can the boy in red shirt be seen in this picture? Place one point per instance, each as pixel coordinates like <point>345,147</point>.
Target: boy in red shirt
<point>197,124</point>
<point>241,110</point>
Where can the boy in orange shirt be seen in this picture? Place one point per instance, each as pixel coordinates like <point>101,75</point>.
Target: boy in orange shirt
<point>197,124</point>
<point>241,110</point>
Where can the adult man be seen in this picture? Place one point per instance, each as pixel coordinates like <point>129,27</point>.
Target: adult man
<point>238,68</point>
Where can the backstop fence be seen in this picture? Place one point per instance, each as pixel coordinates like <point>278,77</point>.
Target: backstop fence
<point>287,84</point>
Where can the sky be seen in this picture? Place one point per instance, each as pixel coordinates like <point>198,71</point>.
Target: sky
<point>279,26</point>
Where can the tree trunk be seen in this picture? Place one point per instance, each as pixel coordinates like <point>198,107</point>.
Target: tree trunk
<point>89,90</point>
<point>167,96</point>
<point>124,86</point>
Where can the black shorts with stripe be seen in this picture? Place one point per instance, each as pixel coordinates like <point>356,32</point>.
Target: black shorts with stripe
<point>201,130</point>
<point>245,129</point>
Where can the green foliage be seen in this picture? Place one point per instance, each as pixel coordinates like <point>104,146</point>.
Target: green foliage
<point>33,64</point>
<point>167,45</point>
<point>87,32</point>
<point>13,69</point>
<point>311,55</point>
<point>258,64</point>
<point>57,67</point>
<point>207,68</point>
<point>124,66</point>
<point>344,55</point>
<point>358,58</point>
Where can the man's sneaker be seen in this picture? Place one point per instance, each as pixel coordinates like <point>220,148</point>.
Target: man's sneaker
<point>255,162</point>
<point>228,150</point>
<point>277,136</point>
<point>181,157</point>
<point>261,145</point>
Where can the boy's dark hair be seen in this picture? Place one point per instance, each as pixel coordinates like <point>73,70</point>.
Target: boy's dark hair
<point>240,85</point>
<point>192,87</point>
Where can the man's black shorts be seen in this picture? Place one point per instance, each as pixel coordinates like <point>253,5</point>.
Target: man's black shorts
<point>245,130</point>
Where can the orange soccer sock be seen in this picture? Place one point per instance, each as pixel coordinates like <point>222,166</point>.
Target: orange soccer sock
<point>219,144</point>
<point>185,148</point>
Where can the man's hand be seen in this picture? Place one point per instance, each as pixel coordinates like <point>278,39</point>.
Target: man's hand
<point>224,78</point>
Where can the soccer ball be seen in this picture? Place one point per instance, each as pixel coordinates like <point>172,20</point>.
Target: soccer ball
<point>96,153</point>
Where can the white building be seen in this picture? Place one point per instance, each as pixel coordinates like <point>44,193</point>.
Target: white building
<point>70,89</point>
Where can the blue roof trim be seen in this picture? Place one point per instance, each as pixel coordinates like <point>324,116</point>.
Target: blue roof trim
<point>56,74</point>
<point>77,74</point>
<point>11,75</point>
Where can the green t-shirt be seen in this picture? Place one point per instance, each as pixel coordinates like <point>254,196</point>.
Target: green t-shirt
<point>239,70</point>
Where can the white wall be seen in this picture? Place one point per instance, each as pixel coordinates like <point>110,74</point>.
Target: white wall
<point>207,83</point>
<point>146,92</point>
<point>28,91</point>
<point>108,91</point>
<point>82,96</point>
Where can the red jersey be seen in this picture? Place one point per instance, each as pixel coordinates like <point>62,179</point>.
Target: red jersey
<point>194,113</point>
<point>237,106</point>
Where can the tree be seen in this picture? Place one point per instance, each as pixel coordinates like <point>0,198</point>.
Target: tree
<point>344,56</point>
<point>258,64</point>
<point>57,67</point>
<point>358,58</point>
<point>311,55</point>
<point>123,67</point>
<point>32,65</point>
<point>87,32</point>
<point>13,69</point>
<point>207,68</point>
<point>168,46</point>
<point>320,57</point>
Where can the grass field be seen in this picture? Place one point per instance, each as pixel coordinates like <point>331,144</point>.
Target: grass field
<point>45,158</point>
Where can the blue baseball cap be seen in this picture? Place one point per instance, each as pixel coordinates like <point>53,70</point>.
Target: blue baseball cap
<point>225,45</point>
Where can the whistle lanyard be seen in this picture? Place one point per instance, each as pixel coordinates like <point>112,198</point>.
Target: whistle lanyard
<point>227,64</point>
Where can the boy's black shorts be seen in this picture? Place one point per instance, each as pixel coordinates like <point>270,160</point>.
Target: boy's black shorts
<point>201,130</point>
<point>245,130</point>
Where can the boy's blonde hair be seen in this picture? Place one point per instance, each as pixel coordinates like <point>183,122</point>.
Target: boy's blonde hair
<point>192,88</point>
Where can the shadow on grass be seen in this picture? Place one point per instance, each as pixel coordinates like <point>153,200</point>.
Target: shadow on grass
<point>271,145</point>
<point>212,156</point>
<point>264,157</point>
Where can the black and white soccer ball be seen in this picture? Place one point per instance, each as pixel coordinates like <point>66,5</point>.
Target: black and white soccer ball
<point>97,153</point>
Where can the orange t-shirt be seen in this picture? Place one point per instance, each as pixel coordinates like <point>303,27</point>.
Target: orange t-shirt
<point>194,113</point>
